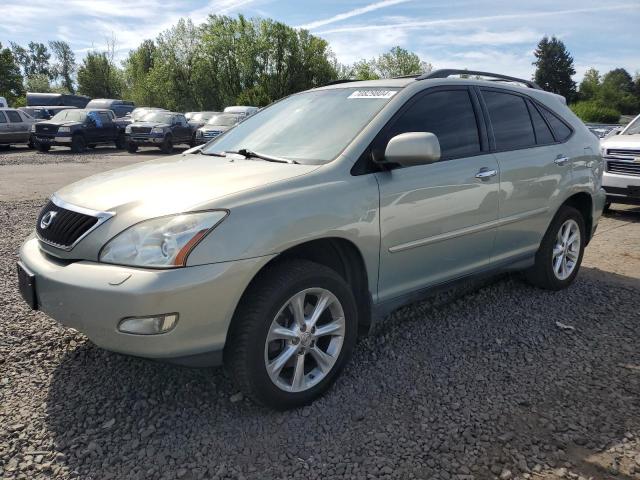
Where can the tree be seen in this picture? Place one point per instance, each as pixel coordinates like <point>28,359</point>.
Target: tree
<point>554,68</point>
<point>34,60</point>
<point>590,84</point>
<point>364,70</point>
<point>137,79</point>
<point>38,83</point>
<point>10,77</point>
<point>98,77</point>
<point>618,91</point>
<point>65,65</point>
<point>398,62</point>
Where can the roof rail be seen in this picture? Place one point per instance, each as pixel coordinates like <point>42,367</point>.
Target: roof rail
<point>447,72</point>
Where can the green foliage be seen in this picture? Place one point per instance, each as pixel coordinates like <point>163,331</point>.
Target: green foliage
<point>38,83</point>
<point>98,77</point>
<point>394,63</point>
<point>590,85</point>
<point>65,65</point>
<point>554,68</point>
<point>595,112</point>
<point>34,60</point>
<point>616,90</point>
<point>10,77</point>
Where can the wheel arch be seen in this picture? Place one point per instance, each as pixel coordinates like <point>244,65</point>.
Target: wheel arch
<point>583,202</point>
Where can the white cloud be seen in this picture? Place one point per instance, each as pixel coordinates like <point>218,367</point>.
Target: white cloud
<point>352,13</point>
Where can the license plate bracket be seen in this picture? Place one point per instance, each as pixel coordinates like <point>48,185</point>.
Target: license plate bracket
<point>27,286</point>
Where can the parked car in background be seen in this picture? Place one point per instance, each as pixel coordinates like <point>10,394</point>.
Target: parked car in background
<point>188,115</point>
<point>273,246</point>
<point>139,112</point>
<point>216,125</point>
<point>39,113</point>
<point>604,130</point>
<point>243,111</point>
<point>15,127</point>
<point>160,129</point>
<point>621,152</point>
<point>78,129</point>
<point>119,107</point>
<point>197,120</point>
<point>57,100</point>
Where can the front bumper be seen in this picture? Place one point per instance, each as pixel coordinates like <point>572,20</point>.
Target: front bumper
<point>57,140</point>
<point>622,188</point>
<point>151,139</point>
<point>93,297</point>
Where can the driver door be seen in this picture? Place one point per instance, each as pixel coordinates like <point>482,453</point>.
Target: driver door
<point>437,220</point>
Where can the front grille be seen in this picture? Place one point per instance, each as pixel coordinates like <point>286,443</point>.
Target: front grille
<point>623,168</point>
<point>211,133</point>
<point>65,228</point>
<point>617,152</point>
<point>50,129</point>
<point>140,129</point>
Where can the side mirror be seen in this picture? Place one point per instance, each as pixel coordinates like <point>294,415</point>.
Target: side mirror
<point>412,148</point>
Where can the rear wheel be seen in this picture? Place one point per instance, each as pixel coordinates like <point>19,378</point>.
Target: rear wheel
<point>78,144</point>
<point>292,334</point>
<point>42,147</point>
<point>132,148</point>
<point>121,142</point>
<point>167,145</point>
<point>560,254</point>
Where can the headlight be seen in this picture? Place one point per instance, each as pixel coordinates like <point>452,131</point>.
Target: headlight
<point>157,130</point>
<point>127,129</point>
<point>163,242</point>
<point>64,130</point>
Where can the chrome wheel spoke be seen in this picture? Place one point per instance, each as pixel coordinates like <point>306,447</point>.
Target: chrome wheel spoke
<point>278,332</point>
<point>557,250</point>
<point>297,308</point>
<point>298,373</point>
<point>573,256</point>
<point>324,360</point>
<point>281,360</point>
<point>333,328</point>
<point>323,302</point>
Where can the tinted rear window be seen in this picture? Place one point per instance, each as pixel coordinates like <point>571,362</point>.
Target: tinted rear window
<point>449,115</point>
<point>512,128</point>
<point>3,119</point>
<point>560,129</point>
<point>14,117</point>
<point>543,134</point>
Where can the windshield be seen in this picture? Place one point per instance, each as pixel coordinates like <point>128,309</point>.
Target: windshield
<point>311,127</point>
<point>223,120</point>
<point>70,116</point>
<point>633,128</point>
<point>158,117</point>
<point>201,116</point>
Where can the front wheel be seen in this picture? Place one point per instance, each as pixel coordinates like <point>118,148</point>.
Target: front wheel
<point>132,148</point>
<point>292,334</point>
<point>41,147</point>
<point>167,145</point>
<point>121,141</point>
<point>560,254</point>
<point>78,144</point>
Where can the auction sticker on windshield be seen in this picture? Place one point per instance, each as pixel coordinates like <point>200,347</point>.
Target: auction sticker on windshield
<point>373,94</point>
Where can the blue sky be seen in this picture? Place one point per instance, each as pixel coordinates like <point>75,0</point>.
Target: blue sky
<point>495,35</point>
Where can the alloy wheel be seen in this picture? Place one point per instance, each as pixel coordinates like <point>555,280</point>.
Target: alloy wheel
<point>566,250</point>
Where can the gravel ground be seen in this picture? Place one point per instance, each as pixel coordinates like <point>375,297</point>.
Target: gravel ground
<point>479,384</point>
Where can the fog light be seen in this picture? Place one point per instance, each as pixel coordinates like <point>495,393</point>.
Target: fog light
<point>149,325</point>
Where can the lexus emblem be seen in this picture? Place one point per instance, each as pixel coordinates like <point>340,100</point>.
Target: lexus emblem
<point>47,219</point>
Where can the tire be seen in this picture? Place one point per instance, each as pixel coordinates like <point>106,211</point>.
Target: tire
<point>247,352</point>
<point>607,207</point>
<point>78,144</point>
<point>192,142</point>
<point>91,146</point>
<point>42,148</point>
<point>544,273</point>
<point>121,142</point>
<point>132,148</point>
<point>5,147</point>
<point>31,144</point>
<point>167,145</point>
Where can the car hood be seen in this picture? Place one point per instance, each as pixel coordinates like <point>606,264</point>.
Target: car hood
<point>176,184</point>
<point>61,123</point>
<point>622,141</point>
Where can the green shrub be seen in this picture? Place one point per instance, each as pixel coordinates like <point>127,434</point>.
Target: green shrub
<point>595,112</point>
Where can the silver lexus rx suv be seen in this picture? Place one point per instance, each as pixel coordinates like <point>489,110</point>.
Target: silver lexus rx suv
<point>272,246</point>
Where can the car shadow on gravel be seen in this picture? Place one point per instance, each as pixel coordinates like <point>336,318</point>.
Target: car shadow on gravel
<point>497,381</point>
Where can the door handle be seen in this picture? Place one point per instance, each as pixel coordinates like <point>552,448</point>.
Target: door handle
<point>485,173</point>
<point>561,160</point>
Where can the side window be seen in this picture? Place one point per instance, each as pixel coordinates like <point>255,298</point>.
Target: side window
<point>182,120</point>
<point>512,128</point>
<point>105,117</point>
<point>560,129</point>
<point>14,117</point>
<point>543,134</point>
<point>25,116</point>
<point>448,114</point>
<point>3,119</point>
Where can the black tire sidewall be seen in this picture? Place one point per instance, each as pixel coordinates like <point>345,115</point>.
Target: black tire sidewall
<point>167,145</point>
<point>545,254</point>
<point>78,144</point>
<point>263,388</point>
<point>132,148</point>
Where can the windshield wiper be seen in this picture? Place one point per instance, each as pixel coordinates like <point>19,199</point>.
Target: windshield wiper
<point>250,154</point>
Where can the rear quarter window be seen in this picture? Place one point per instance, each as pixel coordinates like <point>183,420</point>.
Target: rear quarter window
<point>560,129</point>
<point>3,119</point>
<point>14,117</point>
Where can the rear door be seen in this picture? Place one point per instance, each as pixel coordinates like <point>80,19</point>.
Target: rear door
<point>5,126</point>
<point>437,220</point>
<point>107,131</point>
<point>17,128</point>
<point>534,169</point>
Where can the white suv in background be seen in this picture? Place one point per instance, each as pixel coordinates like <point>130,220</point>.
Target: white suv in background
<point>621,178</point>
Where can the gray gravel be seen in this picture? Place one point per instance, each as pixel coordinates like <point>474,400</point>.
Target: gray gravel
<point>476,385</point>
